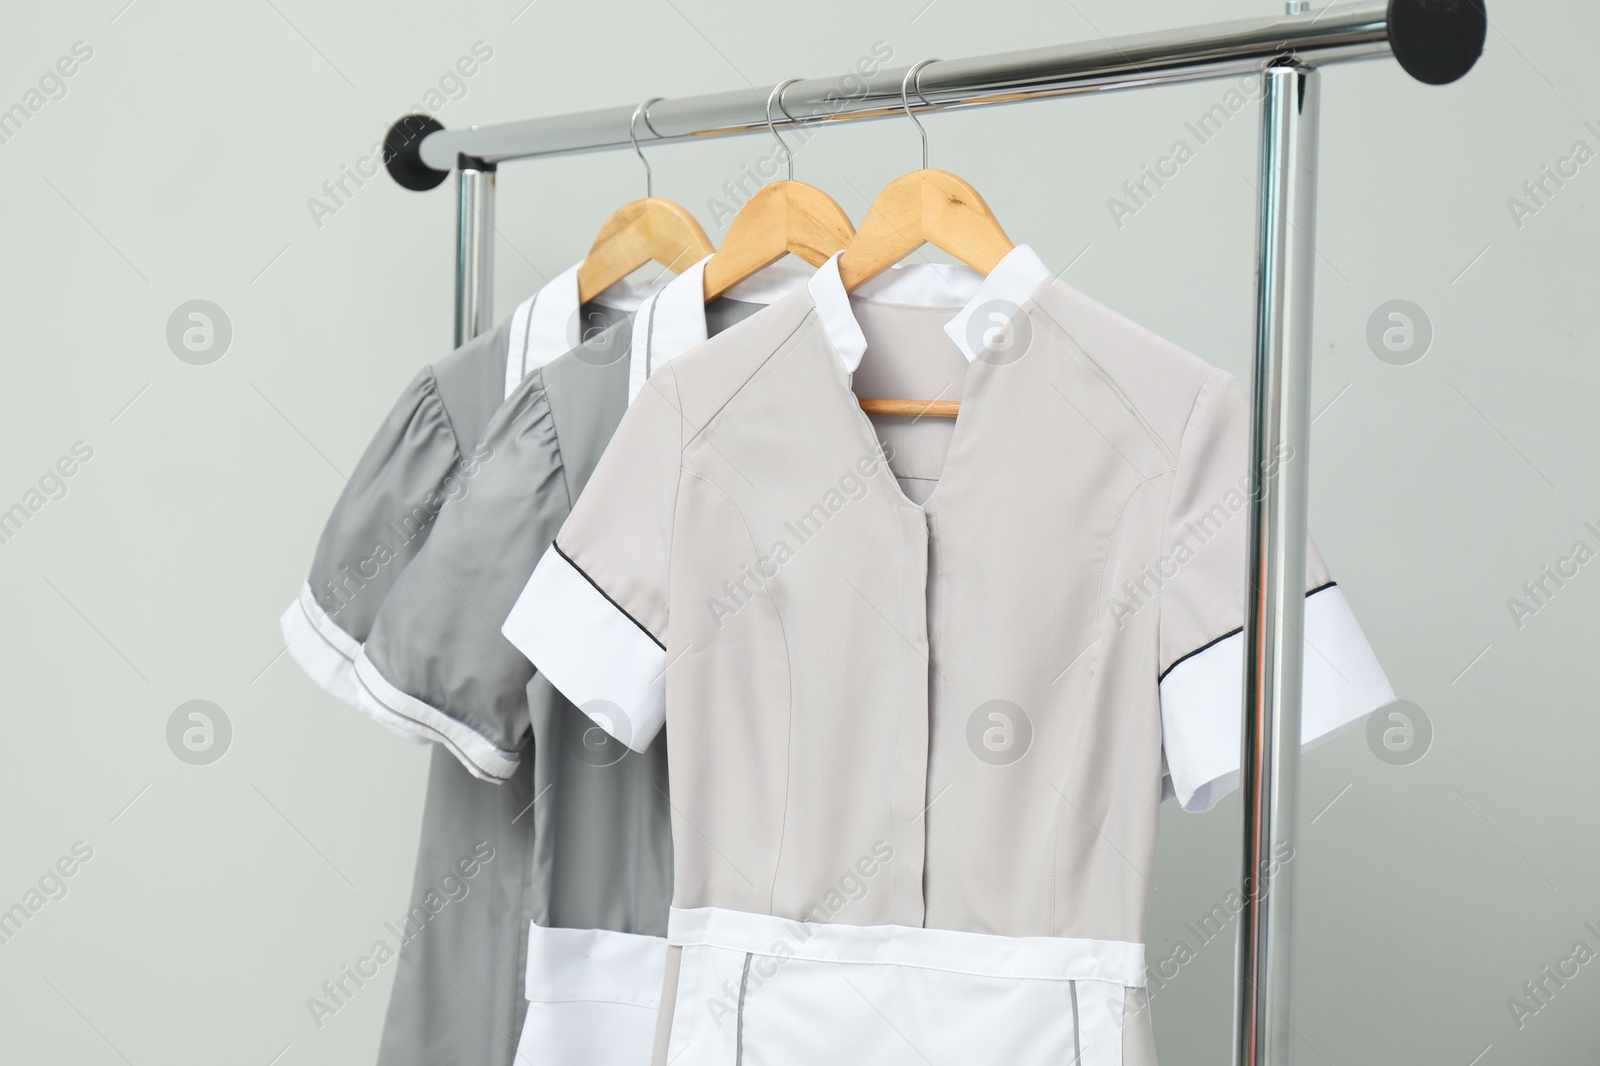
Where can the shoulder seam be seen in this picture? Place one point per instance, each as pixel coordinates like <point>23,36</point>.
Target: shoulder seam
<point>444,411</point>
<point>537,390</point>
<point>777,350</point>
<point>1079,350</point>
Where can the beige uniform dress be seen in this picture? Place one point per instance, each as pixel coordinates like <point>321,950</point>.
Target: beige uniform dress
<point>924,681</point>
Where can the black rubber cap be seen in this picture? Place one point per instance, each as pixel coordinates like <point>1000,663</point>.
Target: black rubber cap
<point>402,153</point>
<point>1437,41</point>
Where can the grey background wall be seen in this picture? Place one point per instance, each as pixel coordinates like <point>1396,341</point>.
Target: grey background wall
<point>176,163</point>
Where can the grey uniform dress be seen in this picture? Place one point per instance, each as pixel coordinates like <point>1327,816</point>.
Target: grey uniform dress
<point>923,678</point>
<point>591,919</point>
<point>457,994</point>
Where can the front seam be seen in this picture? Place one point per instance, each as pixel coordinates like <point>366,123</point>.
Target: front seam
<point>788,659</point>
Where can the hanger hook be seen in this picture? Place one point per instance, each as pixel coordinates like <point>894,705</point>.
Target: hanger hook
<point>913,79</point>
<point>633,136</point>
<point>777,94</point>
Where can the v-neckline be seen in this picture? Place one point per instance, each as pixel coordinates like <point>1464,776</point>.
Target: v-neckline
<point>963,416</point>
<point>1011,284</point>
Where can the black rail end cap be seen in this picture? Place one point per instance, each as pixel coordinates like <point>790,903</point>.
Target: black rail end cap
<point>1437,41</point>
<point>402,153</point>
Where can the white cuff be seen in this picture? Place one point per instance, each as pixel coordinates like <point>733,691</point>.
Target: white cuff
<point>323,650</point>
<point>1202,698</point>
<point>592,996</point>
<point>591,650</point>
<point>403,712</point>
<point>327,654</point>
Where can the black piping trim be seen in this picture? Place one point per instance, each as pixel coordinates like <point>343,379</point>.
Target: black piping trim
<point>1230,633</point>
<point>607,595</point>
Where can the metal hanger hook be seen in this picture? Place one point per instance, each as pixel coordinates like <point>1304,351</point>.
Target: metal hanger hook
<point>633,136</point>
<point>910,81</point>
<point>777,95</point>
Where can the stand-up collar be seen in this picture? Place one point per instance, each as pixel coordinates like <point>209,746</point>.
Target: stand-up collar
<point>991,300</point>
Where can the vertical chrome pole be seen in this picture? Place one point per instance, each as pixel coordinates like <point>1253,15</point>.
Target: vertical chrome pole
<point>474,248</point>
<point>1275,610</point>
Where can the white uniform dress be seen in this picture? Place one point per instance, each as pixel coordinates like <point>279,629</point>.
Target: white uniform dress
<point>923,693</point>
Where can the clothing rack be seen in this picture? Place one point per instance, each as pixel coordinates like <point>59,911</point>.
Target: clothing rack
<point>1436,41</point>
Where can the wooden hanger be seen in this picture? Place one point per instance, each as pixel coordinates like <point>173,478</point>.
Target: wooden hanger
<point>786,217</point>
<point>644,231</point>
<point>924,207</point>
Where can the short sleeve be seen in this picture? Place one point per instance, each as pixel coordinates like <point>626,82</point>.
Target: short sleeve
<point>383,516</point>
<point>593,617</point>
<point>1202,595</point>
<point>435,660</point>
<point>418,460</point>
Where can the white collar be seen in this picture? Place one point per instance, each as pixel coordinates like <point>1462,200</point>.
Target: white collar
<point>1000,295</point>
<point>673,319</point>
<point>547,324</point>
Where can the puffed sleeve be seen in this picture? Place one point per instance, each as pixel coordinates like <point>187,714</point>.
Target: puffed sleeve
<point>415,462</point>
<point>435,661</point>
